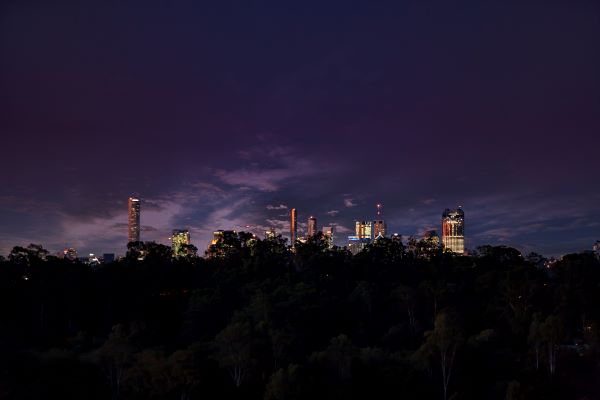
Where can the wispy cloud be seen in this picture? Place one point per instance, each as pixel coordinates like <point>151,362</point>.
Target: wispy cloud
<point>332,213</point>
<point>279,207</point>
<point>348,202</point>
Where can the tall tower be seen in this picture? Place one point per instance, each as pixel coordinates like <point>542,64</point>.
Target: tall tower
<point>293,226</point>
<point>312,226</point>
<point>134,220</point>
<point>453,230</point>
<point>379,226</point>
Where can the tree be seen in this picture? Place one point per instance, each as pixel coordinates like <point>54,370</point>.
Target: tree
<point>116,355</point>
<point>234,346</point>
<point>536,338</point>
<point>407,296</point>
<point>443,343</point>
<point>285,384</point>
<point>552,331</point>
<point>338,356</point>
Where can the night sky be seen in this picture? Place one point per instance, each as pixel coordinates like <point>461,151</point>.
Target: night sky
<point>224,114</point>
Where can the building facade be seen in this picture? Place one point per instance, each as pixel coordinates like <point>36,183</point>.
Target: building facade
<point>133,234</point>
<point>379,226</point>
<point>179,238</point>
<point>364,230</point>
<point>453,230</point>
<point>379,229</point>
<point>293,226</point>
<point>312,226</point>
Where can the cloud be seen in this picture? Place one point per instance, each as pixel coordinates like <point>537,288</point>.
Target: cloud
<point>268,169</point>
<point>279,207</point>
<point>332,213</point>
<point>348,202</point>
<point>428,202</point>
<point>341,228</point>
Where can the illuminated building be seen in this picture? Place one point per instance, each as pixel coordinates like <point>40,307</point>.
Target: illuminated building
<point>453,230</point>
<point>364,230</point>
<point>270,234</point>
<point>432,237</point>
<point>134,220</point>
<point>328,235</point>
<point>293,226</point>
<point>430,243</point>
<point>596,248</point>
<point>180,237</point>
<point>221,243</point>
<point>356,244</point>
<point>312,226</point>
<point>379,226</point>
<point>70,254</point>
<point>223,236</point>
<point>396,237</point>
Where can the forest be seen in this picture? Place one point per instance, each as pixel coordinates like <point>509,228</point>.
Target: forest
<point>254,319</point>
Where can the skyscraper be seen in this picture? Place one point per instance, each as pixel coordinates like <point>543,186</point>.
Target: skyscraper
<point>379,226</point>
<point>364,230</point>
<point>312,226</point>
<point>134,220</point>
<point>293,226</point>
<point>453,230</point>
<point>180,237</point>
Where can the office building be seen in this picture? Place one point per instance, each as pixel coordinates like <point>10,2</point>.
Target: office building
<point>180,238</point>
<point>134,220</point>
<point>293,226</point>
<point>357,244</point>
<point>364,230</point>
<point>312,226</point>
<point>453,230</point>
<point>379,226</point>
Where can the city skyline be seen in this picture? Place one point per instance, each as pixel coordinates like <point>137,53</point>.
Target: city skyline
<point>227,116</point>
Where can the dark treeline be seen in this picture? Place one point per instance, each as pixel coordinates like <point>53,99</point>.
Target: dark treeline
<point>256,321</point>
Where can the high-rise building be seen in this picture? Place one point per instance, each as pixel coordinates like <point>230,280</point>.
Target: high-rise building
<point>180,237</point>
<point>596,248</point>
<point>312,226</point>
<point>328,235</point>
<point>293,226</point>
<point>379,226</point>
<point>364,230</point>
<point>453,230</point>
<point>134,220</point>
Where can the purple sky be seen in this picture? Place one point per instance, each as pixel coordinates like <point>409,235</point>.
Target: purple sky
<point>225,114</point>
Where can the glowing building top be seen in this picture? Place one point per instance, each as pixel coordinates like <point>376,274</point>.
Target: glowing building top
<point>133,234</point>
